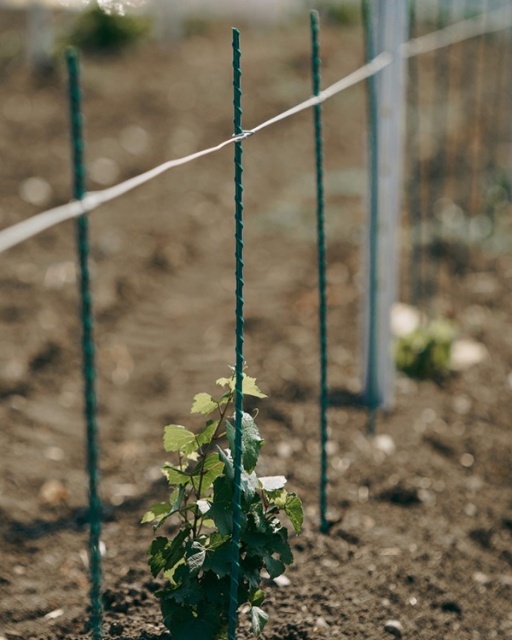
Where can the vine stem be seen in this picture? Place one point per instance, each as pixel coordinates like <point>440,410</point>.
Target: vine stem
<point>204,456</point>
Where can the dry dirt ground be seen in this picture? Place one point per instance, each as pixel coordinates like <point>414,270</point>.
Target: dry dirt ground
<point>423,531</point>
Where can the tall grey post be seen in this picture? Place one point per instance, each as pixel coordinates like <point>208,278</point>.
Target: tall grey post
<point>388,24</point>
<point>40,37</point>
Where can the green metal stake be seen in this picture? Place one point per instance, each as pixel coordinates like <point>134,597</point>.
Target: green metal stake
<point>371,383</point>
<point>89,371</point>
<point>239,348</point>
<point>438,163</point>
<point>321,243</point>
<point>414,198</point>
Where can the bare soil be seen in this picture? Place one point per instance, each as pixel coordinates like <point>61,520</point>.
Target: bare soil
<point>422,532</point>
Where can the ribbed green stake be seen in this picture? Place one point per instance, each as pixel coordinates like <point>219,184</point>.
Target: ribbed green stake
<point>371,383</point>
<point>89,371</point>
<point>414,199</point>
<point>321,254</point>
<point>437,164</point>
<point>239,348</point>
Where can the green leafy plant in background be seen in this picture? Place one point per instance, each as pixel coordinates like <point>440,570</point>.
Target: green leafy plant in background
<point>99,32</point>
<point>196,561</point>
<point>425,352</point>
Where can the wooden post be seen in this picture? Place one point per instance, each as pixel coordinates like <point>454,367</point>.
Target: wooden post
<point>387,28</point>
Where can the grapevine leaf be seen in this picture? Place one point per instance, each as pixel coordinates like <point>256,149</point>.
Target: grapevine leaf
<point>251,441</point>
<point>281,546</point>
<point>169,574</point>
<point>257,598</point>
<point>156,512</point>
<point>177,497</point>
<point>221,511</point>
<point>218,559</point>
<point>250,388</point>
<point>258,620</point>
<point>221,514</point>
<point>204,403</point>
<point>177,438</point>
<point>274,566</point>
<point>174,505</point>
<point>272,483</point>
<point>251,567</point>
<point>256,542</point>
<point>208,523</point>
<point>196,559</point>
<point>249,482</point>
<point>260,522</point>
<point>216,540</point>
<point>210,469</point>
<point>278,497</point>
<point>203,506</point>
<point>174,475</point>
<point>189,592</point>
<point>205,436</point>
<point>165,553</point>
<point>294,511</point>
<point>226,382</point>
<point>175,500</point>
<point>229,471</point>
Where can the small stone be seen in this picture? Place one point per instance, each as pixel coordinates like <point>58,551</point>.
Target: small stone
<point>394,627</point>
<point>36,190</point>
<point>470,510</point>
<point>466,353</point>
<point>481,578</point>
<point>474,483</point>
<point>385,444</point>
<point>57,613</point>
<point>55,454</point>
<point>104,171</point>
<point>404,319</point>
<point>282,581</point>
<point>135,140</point>
<point>321,623</point>
<point>284,450</point>
<point>462,404</point>
<point>53,493</point>
<point>467,460</point>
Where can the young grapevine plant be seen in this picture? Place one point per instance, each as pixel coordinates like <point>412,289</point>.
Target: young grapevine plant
<point>196,561</point>
<point>425,352</point>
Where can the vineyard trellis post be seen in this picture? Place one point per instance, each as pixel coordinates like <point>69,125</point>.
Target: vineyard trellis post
<point>88,344</point>
<point>239,337</point>
<point>322,267</point>
<point>40,36</point>
<point>386,23</point>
